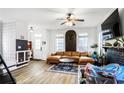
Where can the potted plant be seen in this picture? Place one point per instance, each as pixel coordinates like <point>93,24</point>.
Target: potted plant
<point>94,46</point>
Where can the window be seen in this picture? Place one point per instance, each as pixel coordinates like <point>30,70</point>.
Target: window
<point>59,42</point>
<point>83,42</point>
<point>38,41</point>
<point>37,44</point>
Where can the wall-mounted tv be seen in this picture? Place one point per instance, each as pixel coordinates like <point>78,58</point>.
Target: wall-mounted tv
<point>111,27</point>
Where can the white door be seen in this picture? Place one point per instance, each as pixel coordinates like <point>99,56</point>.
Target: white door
<point>37,51</point>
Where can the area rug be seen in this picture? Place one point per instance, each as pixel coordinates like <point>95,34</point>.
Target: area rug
<point>67,68</point>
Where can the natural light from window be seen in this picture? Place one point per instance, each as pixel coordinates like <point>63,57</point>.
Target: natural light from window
<point>59,42</point>
<point>83,42</point>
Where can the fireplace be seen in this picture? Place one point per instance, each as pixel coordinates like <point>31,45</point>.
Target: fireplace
<point>115,55</point>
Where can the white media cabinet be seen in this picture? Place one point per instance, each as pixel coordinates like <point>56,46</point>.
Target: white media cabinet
<point>23,56</point>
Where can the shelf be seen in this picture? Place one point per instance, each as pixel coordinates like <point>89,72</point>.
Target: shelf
<point>23,51</point>
<point>107,46</point>
<point>23,56</point>
<point>113,47</point>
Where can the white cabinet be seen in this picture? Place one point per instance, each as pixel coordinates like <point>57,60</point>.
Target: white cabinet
<point>23,56</point>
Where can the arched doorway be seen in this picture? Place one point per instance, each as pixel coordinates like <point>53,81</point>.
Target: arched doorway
<point>70,40</point>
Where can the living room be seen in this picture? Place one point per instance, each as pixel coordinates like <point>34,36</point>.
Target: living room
<point>52,45</point>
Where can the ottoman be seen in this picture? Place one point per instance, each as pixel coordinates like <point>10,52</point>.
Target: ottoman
<point>85,60</point>
<point>53,59</point>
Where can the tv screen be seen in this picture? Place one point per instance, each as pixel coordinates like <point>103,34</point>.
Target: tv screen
<point>21,45</point>
<point>111,27</point>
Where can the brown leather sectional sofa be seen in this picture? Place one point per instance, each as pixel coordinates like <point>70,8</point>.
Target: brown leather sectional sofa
<point>78,57</point>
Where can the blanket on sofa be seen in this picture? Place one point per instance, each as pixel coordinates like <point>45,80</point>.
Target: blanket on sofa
<point>113,70</point>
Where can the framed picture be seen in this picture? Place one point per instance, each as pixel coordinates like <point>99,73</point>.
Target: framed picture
<point>43,42</point>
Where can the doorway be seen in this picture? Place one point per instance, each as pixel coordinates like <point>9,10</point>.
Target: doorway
<point>70,40</point>
<point>37,50</point>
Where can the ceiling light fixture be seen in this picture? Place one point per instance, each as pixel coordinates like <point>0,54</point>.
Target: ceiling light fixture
<point>69,23</point>
<point>70,19</point>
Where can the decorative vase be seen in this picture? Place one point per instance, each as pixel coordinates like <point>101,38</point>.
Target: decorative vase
<point>116,44</point>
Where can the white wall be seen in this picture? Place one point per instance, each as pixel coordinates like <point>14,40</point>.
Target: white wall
<point>11,31</point>
<point>9,43</point>
<point>14,30</point>
<point>1,38</point>
<point>21,30</point>
<point>40,30</point>
<point>92,36</point>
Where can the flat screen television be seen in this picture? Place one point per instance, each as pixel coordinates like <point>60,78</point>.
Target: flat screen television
<point>21,45</point>
<point>111,27</point>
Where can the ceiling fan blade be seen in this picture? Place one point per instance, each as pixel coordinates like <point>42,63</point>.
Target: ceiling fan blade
<point>60,19</point>
<point>62,23</point>
<point>79,20</point>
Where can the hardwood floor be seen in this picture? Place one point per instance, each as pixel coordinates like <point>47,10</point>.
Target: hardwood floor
<point>36,72</point>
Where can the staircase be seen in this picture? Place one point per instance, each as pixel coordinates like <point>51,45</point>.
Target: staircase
<point>5,75</point>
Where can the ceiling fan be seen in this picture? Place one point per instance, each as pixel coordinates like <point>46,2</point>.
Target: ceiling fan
<point>70,19</point>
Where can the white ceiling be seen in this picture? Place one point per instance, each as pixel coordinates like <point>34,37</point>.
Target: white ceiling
<point>47,16</point>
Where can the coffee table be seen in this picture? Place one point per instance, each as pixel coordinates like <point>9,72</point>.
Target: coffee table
<point>67,62</point>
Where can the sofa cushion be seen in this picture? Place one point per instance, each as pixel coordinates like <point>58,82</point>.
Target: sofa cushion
<point>86,60</point>
<point>59,53</point>
<point>84,54</point>
<point>76,57</point>
<point>67,53</point>
<point>89,54</point>
<point>71,57</point>
<point>53,54</point>
<point>54,57</point>
<point>75,54</point>
<point>64,56</point>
